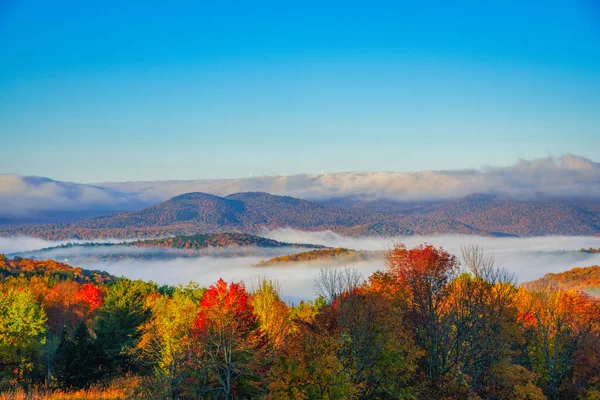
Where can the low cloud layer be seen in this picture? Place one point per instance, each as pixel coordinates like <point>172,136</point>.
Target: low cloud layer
<point>568,175</point>
<point>527,258</point>
<point>18,244</point>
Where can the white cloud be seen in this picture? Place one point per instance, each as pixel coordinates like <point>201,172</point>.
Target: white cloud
<point>528,258</point>
<point>569,175</point>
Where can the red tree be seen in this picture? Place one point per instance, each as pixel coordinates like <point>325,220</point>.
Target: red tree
<point>228,339</point>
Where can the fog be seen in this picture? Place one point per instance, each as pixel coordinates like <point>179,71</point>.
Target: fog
<point>18,244</point>
<point>84,254</point>
<point>527,258</point>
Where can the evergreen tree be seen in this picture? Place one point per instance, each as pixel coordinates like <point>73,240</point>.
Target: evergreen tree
<point>79,360</point>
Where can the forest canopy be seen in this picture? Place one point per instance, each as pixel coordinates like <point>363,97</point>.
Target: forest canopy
<point>429,324</point>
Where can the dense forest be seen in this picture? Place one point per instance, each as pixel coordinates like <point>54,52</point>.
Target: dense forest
<point>426,326</point>
<point>192,213</point>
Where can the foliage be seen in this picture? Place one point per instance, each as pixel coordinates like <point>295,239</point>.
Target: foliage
<point>421,328</point>
<point>22,329</point>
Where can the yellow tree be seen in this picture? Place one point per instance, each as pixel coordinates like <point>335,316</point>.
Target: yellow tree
<point>165,341</point>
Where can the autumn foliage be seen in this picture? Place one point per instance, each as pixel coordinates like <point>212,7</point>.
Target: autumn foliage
<point>425,326</point>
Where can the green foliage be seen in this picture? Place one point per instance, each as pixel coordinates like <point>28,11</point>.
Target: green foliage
<point>118,323</point>
<point>22,330</point>
<point>79,360</point>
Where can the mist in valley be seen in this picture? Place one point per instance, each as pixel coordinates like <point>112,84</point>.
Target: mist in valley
<point>527,258</point>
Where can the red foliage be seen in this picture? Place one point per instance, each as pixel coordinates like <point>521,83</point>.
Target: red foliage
<point>223,305</point>
<point>90,295</point>
<point>423,266</point>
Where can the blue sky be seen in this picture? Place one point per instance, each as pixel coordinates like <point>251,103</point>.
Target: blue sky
<point>171,90</point>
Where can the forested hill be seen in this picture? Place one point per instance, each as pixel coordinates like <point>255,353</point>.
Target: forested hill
<point>337,256</point>
<point>217,240</point>
<point>192,213</point>
<point>235,244</point>
<point>585,280</point>
<point>28,268</point>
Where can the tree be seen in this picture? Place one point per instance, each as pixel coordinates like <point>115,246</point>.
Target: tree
<point>78,360</point>
<point>308,366</point>
<point>273,315</point>
<point>375,346</point>
<point>423,274</point>
<point>22,333</point>
<point>117,326</point>
<point>557,325</point>
<point>226,329</point>
<point>165,341</point>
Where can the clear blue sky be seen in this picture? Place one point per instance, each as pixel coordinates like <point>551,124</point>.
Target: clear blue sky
<point>98,91</point>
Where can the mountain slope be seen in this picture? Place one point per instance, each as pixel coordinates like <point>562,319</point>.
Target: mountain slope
<point>250,212</point>
<point>521,217</point>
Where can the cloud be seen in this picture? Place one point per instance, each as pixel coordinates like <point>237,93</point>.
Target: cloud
<point>554,176</point>
<point>18,244</point>
<point>527,258</point>
<point>569,175</point>
<point>23,196</point>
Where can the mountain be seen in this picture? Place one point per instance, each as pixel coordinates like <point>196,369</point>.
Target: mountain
<point>501,215</point>
<point>192,213</point>
<point>581,279</point>
<point>36,199</point>
<point>242,212</point>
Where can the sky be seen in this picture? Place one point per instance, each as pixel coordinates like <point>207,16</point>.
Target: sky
<point>117,91</point>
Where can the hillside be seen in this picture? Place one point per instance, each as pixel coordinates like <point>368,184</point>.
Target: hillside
<point>243,212</point>
<point>49,268</point>
<point>327,256</point>
<point>494,214</point>
<point>193,213</point>
<point>216,240</point>
<point>581,279</point>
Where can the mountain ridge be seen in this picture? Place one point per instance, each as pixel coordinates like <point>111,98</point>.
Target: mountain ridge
<point>251,212</point>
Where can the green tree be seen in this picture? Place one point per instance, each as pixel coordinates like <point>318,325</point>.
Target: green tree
<point>22,334</point>
<point>78,360</point>
<point>118,323</point>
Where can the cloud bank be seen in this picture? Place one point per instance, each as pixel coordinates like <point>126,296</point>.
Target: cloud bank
<point>527,258</point>
<point>568,175</point>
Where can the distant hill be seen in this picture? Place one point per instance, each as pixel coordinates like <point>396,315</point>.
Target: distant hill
<point>49,268</point>
<point>337,256</point>
<point>498,215</point>
<point>192,213</point>
<point>212,244</point>
<point>217,240</point>
<point>581,279</point>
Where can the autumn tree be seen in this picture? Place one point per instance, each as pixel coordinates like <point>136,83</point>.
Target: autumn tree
<point>308,366</point>
<point>226,330</point>
<point>274,317</point>
<point>376,347</point>
<point>165,342</point>
<point>424,274</point>
<point>557,325</point>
